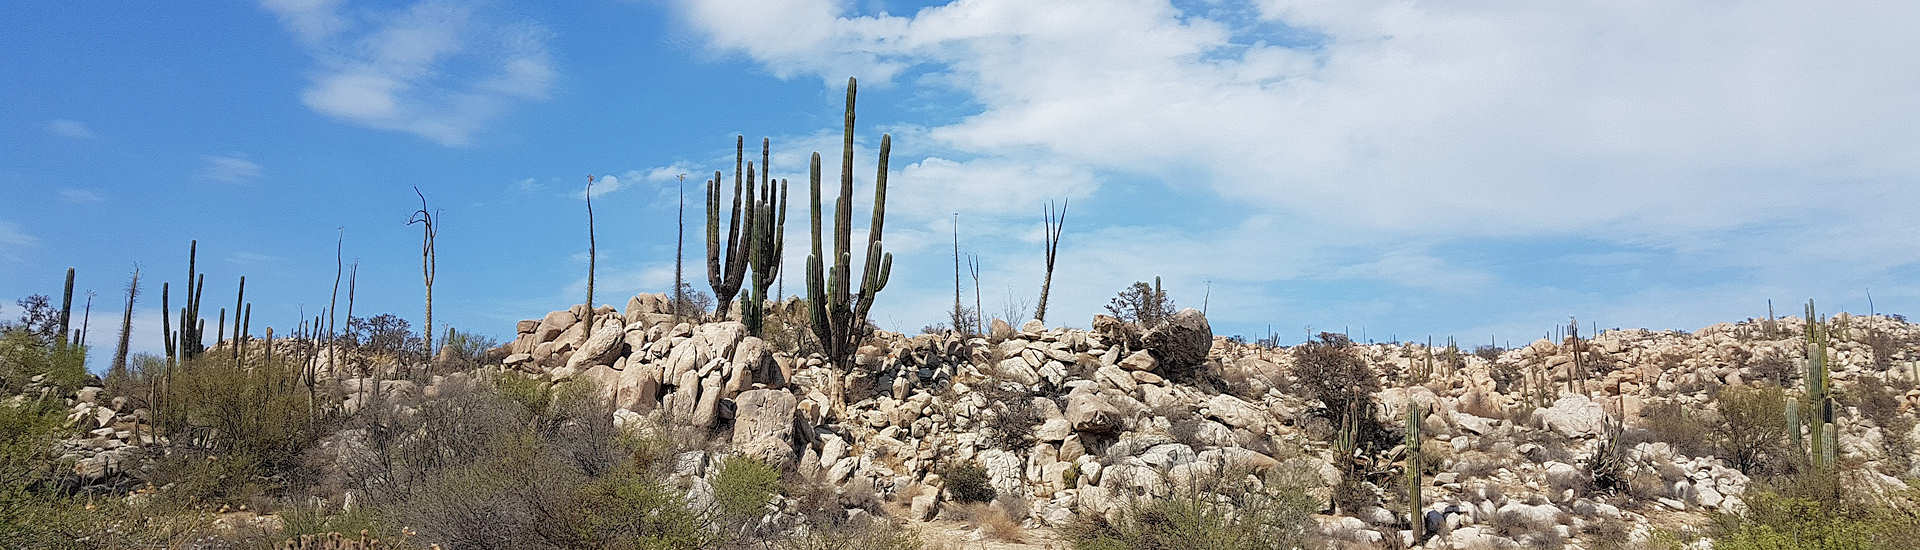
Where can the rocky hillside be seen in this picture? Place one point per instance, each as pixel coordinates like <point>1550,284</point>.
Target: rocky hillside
<point>1069,421</point>
<point>1617,438</point>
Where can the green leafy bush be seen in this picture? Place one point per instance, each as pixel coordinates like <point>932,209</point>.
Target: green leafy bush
<point>967,482</point>
<point>742,488</point>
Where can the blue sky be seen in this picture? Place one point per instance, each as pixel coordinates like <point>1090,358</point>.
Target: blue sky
<point>1393,168</point>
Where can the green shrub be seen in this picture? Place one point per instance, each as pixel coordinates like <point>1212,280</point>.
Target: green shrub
<point>967,482</point>
<point>628,509</point>
<point>1753,432</point>
<point>24,355</point>
<point>236,432</point>
<point>1226,516</point>
<point>742,488</point>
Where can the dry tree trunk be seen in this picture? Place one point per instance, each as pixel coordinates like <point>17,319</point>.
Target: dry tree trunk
<point>429,261</point>
<point>333,356</point>
<point>679,247</point>
<point>126,326</point>
<point>1052,235</point>
<point>590,254</point>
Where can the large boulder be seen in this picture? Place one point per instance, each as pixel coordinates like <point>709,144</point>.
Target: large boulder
<point>605,345</point>
<point>1574,416</point>
<point>763,425</point>
<point>1181,343</point>
<point>1090,413</point>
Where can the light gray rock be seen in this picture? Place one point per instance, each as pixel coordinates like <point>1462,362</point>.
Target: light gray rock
<point>601,348</point>
<point>1574,416</point>
<point>763,425</point>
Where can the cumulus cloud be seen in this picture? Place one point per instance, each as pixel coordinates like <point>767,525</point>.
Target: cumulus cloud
<point>439,70</point>
<point>73,129</point>
<point>1720,133</point>
<point>231,168</point>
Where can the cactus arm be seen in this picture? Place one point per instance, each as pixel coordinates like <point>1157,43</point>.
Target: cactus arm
<point>713,231</point>
<point>842,213</point>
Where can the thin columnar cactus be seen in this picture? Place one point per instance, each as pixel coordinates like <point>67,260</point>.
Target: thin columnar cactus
<point>66,309</point>
<point>839,316</point>
<point>726,274</point>
<point>1414,466</point>
<point>1818,392</point>
<point>766,244</point>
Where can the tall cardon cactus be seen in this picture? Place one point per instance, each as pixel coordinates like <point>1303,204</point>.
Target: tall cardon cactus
<point>1820,428</point>
<point>766,244</point>
<point>725,274</point>
<point>839,315</point>
<point>1415,414</point>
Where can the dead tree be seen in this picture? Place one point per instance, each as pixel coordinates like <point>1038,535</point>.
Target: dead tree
<point>590,254</point>
<point>119,364</point>
<point>333,301</point>
<point>428,260</point>
<point>1054,221</point>
<point>979,315</point>
<point>959,318</point>
<point>679,248</point>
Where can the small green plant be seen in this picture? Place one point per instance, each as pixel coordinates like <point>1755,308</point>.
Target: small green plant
<point>967,482</point>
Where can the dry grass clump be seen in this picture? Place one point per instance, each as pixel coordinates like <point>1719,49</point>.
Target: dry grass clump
<point>991,519</point>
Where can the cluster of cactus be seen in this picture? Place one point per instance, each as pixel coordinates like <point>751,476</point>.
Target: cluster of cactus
<point>756,236</point>
<point>188,342</point>
<point>1576,370</point>
<point>1823,434</point>
<point>1536,387</point>
<point>840,316</point>
<point>766,243</point>
<point>1415,415</point>
<point>727,273</point>
<point>1421,372</point>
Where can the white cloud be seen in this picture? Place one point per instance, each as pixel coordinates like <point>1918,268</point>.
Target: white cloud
<point>435,69</point>
<point>12,240</point>
<point>1732,134</point>
<point>230,168</point>
<point>80,196</point>
<point>69,129</point>
<point>1500,120</point>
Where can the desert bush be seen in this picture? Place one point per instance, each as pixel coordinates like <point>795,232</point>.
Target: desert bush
<point>1883,344</point>
<point>1780,519</point>
<point>1489,352</point>
<point>1014,416</point>
<point>1332,373</point>
<point>1775,367</point>
<point>967,482</point>
<point>1142,303</point>
<point>466,350</point>
<point>1881,405</point>
<point>1674,424</point>
<point>235,432</point>
<point>994,519</point>
<point>25,355</point>
<point>1753,435</point>
<point>742,488</point>
<point>870,535</point>
<point>1227,514</point>
<point>629,509</point>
